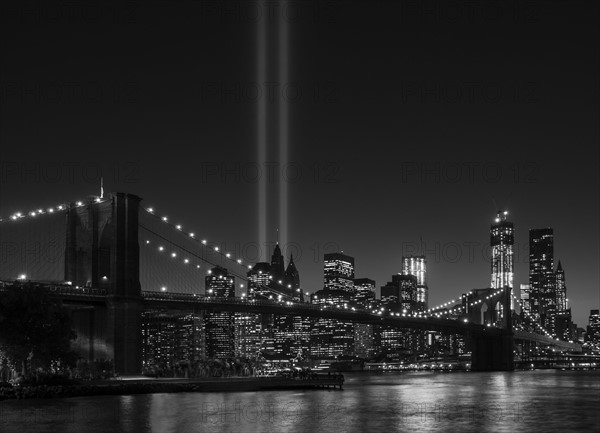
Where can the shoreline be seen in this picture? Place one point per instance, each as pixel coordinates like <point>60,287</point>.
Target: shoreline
<point>175,385</point>
<point>141,385</point>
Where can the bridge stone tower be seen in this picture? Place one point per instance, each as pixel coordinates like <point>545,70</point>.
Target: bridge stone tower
<point>495,352</point>
<point>102,251</point>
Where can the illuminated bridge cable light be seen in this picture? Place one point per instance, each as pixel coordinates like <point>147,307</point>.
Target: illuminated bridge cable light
<point>227,256</point>
<point>50,210</point>
<point>224,255</point>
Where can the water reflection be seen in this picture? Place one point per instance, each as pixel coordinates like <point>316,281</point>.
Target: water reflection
<point>425,401</point>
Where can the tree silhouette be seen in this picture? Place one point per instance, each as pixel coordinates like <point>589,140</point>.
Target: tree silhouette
<point>35,329</point>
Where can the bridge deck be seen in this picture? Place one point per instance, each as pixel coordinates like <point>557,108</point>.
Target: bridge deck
<point>193,302</point>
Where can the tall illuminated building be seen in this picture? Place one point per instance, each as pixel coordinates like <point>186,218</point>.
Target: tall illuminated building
<point>364,298</point>
<point>259,279</point>
<point>338,272</point>
<point>329,337</point>
<point>563,321</point>
<point>399,296</point>
<point>364,289</point>
<point>417,266</point>
<point>278,337</point>
<point>561,290</point>
<point>277,264</point>
<point>526,299</point>
<point>542,279</point>
<point>291,280</point>
<point>220,326</point>
<point>502,239</point>
<point>256,330</point>
<point>593,329</point>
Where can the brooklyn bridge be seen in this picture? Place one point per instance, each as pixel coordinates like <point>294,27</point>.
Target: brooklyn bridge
<point>109,259</point>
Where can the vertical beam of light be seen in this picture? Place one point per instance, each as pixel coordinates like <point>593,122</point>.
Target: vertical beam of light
<point>283,124</point>
<point>261,136</point>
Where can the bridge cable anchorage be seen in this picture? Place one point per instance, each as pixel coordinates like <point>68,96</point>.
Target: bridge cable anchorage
<point>49,210</point>
<point>205,244</point>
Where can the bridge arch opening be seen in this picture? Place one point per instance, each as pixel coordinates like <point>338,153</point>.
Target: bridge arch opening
<point>499,313</point>
<point>483,313</point>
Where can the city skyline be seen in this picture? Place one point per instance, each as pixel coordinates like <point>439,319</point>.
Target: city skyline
<point>279,271</point>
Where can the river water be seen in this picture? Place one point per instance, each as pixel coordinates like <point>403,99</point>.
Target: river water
<point>541,400</point>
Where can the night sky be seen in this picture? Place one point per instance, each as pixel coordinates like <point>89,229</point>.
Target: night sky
<point>406,123</point>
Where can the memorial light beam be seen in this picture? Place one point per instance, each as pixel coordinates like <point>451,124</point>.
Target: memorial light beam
<point>261,136</point>
<point>283,124</point>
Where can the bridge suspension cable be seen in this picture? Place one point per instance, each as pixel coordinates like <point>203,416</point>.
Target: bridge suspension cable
<point>62,207</point>
<point>533,321</point>
<point>208,246</point>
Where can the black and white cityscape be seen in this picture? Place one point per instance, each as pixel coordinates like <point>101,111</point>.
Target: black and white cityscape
<point>242,215</point>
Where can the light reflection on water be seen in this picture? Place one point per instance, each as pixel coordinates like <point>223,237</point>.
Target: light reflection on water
<point>548,401</point>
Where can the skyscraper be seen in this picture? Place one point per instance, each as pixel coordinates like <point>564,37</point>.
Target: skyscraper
<point>561,290</point>
<point>339,272</point>
<point>502,239</point>
<point>220,326</point>
<point>526,299</point>
<point>277,337</point>
<point>542,279</point>
<point>291,280</point>
<point>417,266</point>
<point>259,279</point>
<point>593,329</point>
<point>277,265</point>
<point>563,321</point>
<point>255,330</point>
<point>364,298</point>
<point>364,292</point>
<point>330,337</point>
<point>399,296</point>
